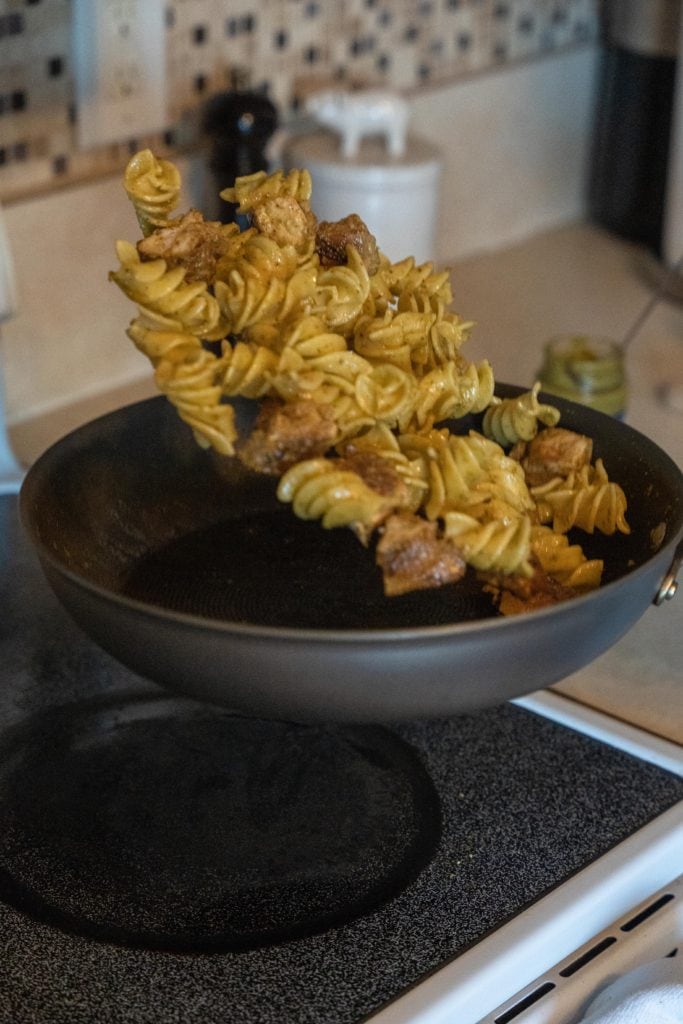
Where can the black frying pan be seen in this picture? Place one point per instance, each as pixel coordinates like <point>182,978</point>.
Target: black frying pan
<point>184,566</point>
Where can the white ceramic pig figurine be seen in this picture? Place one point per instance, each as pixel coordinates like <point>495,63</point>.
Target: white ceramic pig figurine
<point>354,115</point>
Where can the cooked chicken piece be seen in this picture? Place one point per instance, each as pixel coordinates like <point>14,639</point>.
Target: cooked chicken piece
<point>378,474</point>
<point>412,556</point>
<point>332,237</point>
<point>518,451</point>
<point>285,220</point>
<point>555,452</point>
<point>191,242</point>
<point>375,471</point>
<point>287,432</point>
<point>515,595</point>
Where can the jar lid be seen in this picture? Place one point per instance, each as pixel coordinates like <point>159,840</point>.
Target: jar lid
<point>372,167</point>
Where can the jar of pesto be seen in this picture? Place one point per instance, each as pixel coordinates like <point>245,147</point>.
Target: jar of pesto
<point>586,369</point>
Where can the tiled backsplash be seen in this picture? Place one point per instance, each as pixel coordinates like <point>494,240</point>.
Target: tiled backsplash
<point>282,47</point>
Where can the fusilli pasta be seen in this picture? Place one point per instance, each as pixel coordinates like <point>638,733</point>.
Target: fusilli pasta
<point>510,420</point>
<point>365,354</point>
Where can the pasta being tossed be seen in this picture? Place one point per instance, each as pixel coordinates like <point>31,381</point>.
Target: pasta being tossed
<point>356,364</point>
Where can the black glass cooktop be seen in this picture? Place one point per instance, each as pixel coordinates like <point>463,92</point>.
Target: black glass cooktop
<point>162,861</point>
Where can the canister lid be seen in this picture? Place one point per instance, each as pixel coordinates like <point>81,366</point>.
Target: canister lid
<point>372,167</point>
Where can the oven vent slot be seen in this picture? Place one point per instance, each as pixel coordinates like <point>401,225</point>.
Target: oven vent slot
<point>586,957</point>
<point>650,931</point>
<point>643,915</point>
<point>525,1003</point>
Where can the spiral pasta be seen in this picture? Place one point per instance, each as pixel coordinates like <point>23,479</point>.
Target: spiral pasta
<point>510,420</point>
<point>319,489</point>
<point>163,293</point>
<point>586,499</point>
<point>246,369</point>
<point>153,187</point>
<point>251,190</point>
<point>189,377</point>
<point>565,562</point>
<point>467,474</point>
<point>452,391</point>
<point>496,546</point>
<point>413,284</point>
<point>357,365</point>
<point>341,292</point>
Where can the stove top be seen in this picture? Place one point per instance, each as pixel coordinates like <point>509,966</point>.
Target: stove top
<point>119,863</point>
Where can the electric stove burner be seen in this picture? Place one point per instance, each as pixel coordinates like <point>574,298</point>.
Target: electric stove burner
<point>164,824</point>
<point>87,748</point>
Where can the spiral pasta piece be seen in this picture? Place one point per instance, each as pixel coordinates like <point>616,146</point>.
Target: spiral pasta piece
<point>510,420</point>
<point>385,339</point>
<point>318,489</point>
<point>251,190</point>
<point>494,546</point>
<point>385,393</point>
<point>159,291</point>
<point>348,416</point>
<point>375,359</point>
<point>246,369</point>
<point>469,474</point>
<point>451,391</point>
<point>188,375</point>
<point>445,338</point>
<point>153,187</point>
<point>586,499</point>
<point>565,562</point>
<point>410,283</point>
<point>341,292</point>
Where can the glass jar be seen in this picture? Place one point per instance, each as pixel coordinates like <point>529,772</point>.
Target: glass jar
<point>586,369</point>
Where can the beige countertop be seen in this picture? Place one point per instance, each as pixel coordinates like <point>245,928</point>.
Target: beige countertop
<point>573,279</point>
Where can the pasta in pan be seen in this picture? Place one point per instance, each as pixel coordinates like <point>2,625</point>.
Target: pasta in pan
<point>356,365</point>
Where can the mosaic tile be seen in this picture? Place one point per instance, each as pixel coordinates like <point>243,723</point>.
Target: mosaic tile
<point>285,48</point>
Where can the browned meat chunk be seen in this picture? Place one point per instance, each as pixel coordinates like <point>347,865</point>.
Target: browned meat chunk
<point>515,595</point>
<point>285,220</point>
<point>190,242</point>
<point>375,471</point>
<point>332,238</point>
<point>287,432</point>
<point>412,556</point>
<point>555,452</point>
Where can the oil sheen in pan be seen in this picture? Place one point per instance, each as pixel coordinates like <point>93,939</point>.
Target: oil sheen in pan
<point>272,569</point>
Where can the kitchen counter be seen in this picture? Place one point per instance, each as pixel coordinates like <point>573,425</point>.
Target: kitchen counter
<point>577,278</point>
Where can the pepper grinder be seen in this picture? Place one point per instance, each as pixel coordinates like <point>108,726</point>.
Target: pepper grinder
<point>237,127</point>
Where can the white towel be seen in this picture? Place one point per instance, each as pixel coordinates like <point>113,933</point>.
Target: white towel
<point>649,994</point>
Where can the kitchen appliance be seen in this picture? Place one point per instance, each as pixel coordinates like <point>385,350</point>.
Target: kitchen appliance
<point>163,859</point>
<point>559,840</point>
<point>636,166</point>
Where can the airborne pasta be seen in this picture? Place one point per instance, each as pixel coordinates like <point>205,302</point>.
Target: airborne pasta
<point>356,364</point>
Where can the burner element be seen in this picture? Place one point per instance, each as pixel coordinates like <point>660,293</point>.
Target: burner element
<point>167,824</point>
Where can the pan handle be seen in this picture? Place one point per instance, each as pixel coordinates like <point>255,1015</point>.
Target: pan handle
<point>669,584</point>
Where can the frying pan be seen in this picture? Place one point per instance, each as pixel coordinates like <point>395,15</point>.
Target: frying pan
<point>183,565</point>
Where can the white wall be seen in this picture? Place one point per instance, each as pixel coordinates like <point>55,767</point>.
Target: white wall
<point>515,147</point>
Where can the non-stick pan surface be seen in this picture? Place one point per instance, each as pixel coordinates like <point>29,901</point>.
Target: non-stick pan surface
<point>185,566</point>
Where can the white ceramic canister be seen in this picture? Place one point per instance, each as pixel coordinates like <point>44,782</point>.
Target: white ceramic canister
<point>396,196</point>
